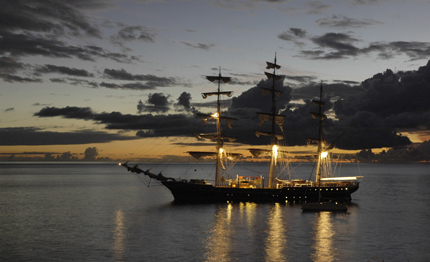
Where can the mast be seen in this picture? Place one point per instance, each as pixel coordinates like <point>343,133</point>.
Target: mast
<point>218,136</point>
<point>219,142</point>
<point>273,141</point>
<point>321,142</point>
<point>274,119</point>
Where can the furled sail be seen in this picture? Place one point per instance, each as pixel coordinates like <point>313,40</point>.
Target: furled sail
<point>256,152</point>
<point>272,65</point>
<point>318,116</point>
<point>233,156</point>
<point>228,93</point>
<point>206,117</point>
<point>260,133</point>
<point>197,155</point>
<point>279,119</point>
<point>214,137</point>
<point>259,152</point>
<point>317,102</point>
<point>270,76</point>
<point>268,90</point>
<point>214,78</point>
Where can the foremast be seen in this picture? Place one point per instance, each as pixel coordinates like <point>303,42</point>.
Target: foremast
<point>219,135</point>
<point>274,118</point>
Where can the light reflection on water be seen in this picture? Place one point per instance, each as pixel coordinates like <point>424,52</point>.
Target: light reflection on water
<point>119,235</point>
<point>276,241</point>
<point>323,245</point>
<point>218,243</point>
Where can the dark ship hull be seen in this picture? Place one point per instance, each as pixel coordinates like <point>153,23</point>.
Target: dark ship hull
<point>188,192</point>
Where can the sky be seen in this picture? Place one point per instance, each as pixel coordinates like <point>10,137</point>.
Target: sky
<point>89,79</point>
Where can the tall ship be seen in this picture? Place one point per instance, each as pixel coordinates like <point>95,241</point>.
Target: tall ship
<point>252,188</point>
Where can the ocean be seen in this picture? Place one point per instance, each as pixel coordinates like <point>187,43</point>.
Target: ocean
<point>101,212</point>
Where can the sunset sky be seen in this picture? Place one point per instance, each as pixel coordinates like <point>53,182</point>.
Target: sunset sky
<point>126,77</point>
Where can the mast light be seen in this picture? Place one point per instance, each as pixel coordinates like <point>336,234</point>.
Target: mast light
<point>324,154</point>
<point>275,152</point>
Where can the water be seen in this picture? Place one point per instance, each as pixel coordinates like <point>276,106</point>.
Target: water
<point>100,212</point>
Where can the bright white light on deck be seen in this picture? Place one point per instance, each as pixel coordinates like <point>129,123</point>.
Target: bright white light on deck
<point>214,115</point>
<point>119,164</point>
<point>324,154</point>
<point>221,150</point>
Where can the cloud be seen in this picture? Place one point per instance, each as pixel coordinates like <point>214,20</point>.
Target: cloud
<point>67,112</point>
<point>91,153</point>
<point>56,18</point>
<point>146,125</point>
<point>63,70</point>
<point>130,86</point>
<point>184,100</point>
<point>124,75</point>
<point>133,33</point>
<point>340,21</point>
<point>75,82</point>
<point>37,28</point>
<point>15,78</point>
<point>157,103</point>
<point>316,7</point>
<point>344,45</point>
<point>387,94</point>
<point>152,81</point>
<point>414,50</point>
<point>292,35</point>
<point>18,45</point>
<point>389,103</point>
<point>338,41</point>
<point>366,2</point>
<point>334,91</point>
<point>9,65</point>
<point>39,104</point>
<point>205,47</point>
<point>302,79</point>
<point>32,136</point>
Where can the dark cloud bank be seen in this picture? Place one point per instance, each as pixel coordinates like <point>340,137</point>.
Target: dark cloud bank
<point>372,114</point>
<point>335,46</point>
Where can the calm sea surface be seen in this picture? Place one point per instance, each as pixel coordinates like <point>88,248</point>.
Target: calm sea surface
<point>101,212</point>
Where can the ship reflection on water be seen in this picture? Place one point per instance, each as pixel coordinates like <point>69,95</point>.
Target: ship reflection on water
<point>271,232</point>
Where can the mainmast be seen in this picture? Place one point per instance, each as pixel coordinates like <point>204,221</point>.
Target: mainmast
<point>218,136</point>
<point>321,142</point>
<point>274,118</point>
